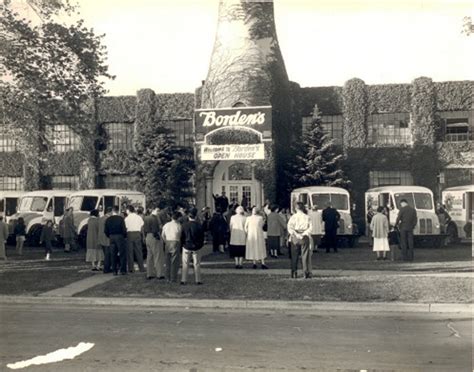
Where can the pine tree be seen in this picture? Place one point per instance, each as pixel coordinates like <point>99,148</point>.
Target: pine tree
<point>162,170</point>
<point>320,160</point>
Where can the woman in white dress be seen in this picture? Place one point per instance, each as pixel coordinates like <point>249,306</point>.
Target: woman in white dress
<point>238,237</point>
<point>380,229</point>
<point>255,245</point>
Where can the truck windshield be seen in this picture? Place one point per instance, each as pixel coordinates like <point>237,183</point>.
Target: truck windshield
<point>339,201</point>
<point>417,200</point>
<point>83,203</point>
<point>33,203</point>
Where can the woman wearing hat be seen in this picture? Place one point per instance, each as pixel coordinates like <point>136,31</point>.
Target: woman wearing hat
<point>238,237</point>
<point>255,246</point>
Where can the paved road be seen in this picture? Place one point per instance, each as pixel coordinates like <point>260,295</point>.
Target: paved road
<point>138,339</point>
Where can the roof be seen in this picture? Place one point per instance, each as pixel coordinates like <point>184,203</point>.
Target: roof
<point>460,188</point>
<point>11,194</point>
<point>49,193</point>
<point>100,192</point>
<point>322,189</point>
<point>399,188</point>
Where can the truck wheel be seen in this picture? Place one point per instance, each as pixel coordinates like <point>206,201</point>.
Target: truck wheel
<point>452,232</point>
<point>33,237</point>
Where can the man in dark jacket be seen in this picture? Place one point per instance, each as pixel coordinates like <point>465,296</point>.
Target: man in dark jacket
<point>116,231</point>
<point>331,219</point>
<point>406,222</point>
<point>192,239</point>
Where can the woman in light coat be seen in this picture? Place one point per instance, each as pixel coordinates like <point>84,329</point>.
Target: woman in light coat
<point>238,237</point>
<point>380,229</point>
<point>255,245</point>
<point>94,253</point>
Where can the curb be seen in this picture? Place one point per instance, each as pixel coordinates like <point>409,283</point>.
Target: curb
<point>370,307</point>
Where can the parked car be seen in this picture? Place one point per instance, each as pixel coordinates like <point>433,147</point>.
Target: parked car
<point>36,208</point>
<point>459,203</point>
<point>340,199</point>
<point>427,229</point>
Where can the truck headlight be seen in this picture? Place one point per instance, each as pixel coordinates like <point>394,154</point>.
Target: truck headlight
<point>437,226</point>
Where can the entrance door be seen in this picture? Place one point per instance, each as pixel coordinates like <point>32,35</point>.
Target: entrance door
<point>239,192</point>
<point>238,182</point>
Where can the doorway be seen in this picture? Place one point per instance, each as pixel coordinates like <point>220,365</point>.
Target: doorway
<point>237,181</point>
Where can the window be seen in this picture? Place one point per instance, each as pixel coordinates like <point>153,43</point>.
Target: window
<point>65,182</point>
<point>7,143</point>
<point>458,176</point>
<point>389,129</point>
<point>418,200</point>
<point>240,172</point>
<point>11,183</point>
<point>457,130</point>
<point>33,203</point>
<point>118,182</point>
<point>89,203</point>
<point>63,138</point>
<point>59,203</point>
<point>120,136</point>
<point>390,178</point>
<point>338,201</point>
<point>332,125</point>
<point>182,131</point>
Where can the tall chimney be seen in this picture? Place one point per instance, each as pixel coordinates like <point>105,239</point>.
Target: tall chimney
<point>246,65</point>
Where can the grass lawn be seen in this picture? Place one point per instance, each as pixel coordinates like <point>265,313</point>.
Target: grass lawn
<point>32,283</point>
<point>273,287</point>
<point>452,258</point>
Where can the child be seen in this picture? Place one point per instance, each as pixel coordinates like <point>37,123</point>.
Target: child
<point>393,241</point>
<point>20,233</point>
<point>47,237</point>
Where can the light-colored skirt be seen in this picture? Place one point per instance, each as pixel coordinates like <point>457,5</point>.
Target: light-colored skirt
<point>381,245</point>
<point>94,254</point>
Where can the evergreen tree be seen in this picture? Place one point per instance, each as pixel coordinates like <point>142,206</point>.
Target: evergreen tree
<point>162,170</point>
<point>320,161</point>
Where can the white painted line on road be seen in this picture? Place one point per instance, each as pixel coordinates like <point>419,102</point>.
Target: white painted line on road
<point>55,356</point>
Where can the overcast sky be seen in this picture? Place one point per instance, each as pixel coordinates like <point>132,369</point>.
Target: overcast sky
<point>166,44</point>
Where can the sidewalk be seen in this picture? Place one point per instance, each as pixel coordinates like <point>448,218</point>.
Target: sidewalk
<point>192,304</point>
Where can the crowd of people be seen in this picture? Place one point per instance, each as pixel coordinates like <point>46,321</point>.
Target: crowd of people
<point>116,240</point>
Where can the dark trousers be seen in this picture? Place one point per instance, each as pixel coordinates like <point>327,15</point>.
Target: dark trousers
<point>107,258</point>
<point>48,247</point>
<point>216,242</point>
<point>330,240</point>
<point>118,250</point>
<point>407,245</point>
<point>135,248</point>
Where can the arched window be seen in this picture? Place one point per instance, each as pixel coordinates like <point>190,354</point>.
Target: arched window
<point>240,172</point>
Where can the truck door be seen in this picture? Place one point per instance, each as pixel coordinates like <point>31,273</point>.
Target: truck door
<point>58,208</point>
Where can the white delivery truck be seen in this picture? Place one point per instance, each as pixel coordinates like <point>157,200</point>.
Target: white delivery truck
<point>83,202</point>
<point>459,203</point>
<point>36,208</point>
<point>319,196</point>
<point>427,229</point>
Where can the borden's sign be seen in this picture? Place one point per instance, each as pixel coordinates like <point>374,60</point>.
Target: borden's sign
<point>211,118</point>
<point>258,118</point>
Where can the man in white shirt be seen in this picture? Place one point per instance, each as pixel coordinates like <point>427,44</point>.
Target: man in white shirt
<point>171,235</point>
<point>317,227</point>
<point>299,228</point>
<point>134,225</point>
